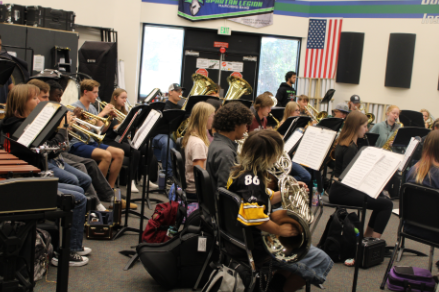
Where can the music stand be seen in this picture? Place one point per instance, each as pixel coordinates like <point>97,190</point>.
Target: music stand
<point>404,134</point>
<point>6,69</point>
<point>158,106</point>
<point>151,96</point>
<point>327,98</point>
<point>145,109</point>
<point>291,124</point>
<point>278,113</point>
<point>412,118</point>
<point>194,99</point>
<point>370,139</point>
<point>247,103</point>
<point>331,123</point>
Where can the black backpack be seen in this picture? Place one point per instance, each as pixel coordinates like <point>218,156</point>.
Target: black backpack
<point>339,238</point>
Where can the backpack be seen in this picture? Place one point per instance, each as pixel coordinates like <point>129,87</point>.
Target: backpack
<point>224,279</point>
<point>43,253</point>
<point>410,279</point>
<point>339,238</point>
<point>165,215</point>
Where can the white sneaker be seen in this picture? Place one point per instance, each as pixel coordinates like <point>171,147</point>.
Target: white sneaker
<point>100,207</point>
<point>153,186</point>
<point>75,260</point>
<point>133,187</point>
<point>85,251</point>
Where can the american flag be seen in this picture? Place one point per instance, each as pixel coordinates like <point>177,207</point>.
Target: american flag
<point>322,47</point>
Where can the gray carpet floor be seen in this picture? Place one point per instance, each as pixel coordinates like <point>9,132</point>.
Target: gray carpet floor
<point>105,269</point>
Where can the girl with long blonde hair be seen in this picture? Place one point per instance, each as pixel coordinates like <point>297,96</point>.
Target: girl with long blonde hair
<point>291,110</point>
<point>195,142</point>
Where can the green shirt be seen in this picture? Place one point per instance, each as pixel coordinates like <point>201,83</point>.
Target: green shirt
<point>385,131</point>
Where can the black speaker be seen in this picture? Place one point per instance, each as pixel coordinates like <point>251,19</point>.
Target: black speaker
<point>99,60</point>
<point>400,60</point>
<point>349,57</point>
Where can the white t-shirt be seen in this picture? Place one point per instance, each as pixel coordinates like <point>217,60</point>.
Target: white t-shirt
<point>194,150</point>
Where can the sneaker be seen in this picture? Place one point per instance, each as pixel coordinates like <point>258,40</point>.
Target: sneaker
<point>134,188</point>
<point>75,260</point>
<point>153,186</point>
<point>101,207</point>
<point>85,251</point>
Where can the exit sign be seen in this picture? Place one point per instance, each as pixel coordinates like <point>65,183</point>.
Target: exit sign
<point>224,30</point>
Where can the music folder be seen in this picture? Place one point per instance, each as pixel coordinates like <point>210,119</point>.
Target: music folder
<point>314,147</point>
<point>40,125</point>
<point>146,129</point>
<point>371,169</point>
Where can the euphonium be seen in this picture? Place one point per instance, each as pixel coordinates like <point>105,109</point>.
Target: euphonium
<point>237,88</point>
<point>387,145</point>
<point>315,114</point>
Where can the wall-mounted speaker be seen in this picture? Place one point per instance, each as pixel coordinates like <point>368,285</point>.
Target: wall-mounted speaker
<point>400,60</point>
<point>350,56</point>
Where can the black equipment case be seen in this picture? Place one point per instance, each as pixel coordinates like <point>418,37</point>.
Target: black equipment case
<point>177,263</point>
<point>12,13</point>
<point>50,18</point>
<point>373,252</point>
<point>101,224</point>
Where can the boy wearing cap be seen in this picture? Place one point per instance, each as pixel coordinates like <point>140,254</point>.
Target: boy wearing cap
<point>354,103</point>
<point>340,111</point>
<point>160,142</point>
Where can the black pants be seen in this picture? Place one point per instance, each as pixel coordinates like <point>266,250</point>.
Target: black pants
<point>381,206</point>
<point>126,149</point>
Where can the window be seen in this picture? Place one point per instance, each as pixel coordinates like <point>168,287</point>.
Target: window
<point>161,58</point>
<point>278,56</point>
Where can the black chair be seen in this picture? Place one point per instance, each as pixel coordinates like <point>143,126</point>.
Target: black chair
<point>418,211</point>
<point>233,233</point>
<point>178,174</point>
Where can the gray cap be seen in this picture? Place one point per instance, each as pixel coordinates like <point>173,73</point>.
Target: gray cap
<point>355,99</point>
<point>342,107</point>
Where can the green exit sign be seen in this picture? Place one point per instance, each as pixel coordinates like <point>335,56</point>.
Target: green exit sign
<point>224,30</point>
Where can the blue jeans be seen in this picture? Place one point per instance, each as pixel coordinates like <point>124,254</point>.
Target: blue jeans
<point>160,145</point>
<point>70,175</point>
<point>78,218</point>
<point>314,267</point>
<point>301,174</point>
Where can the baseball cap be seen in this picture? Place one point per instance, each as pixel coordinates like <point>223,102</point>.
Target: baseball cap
<point>175,86</point>
<point>355,98</point>
<point>342,107</point>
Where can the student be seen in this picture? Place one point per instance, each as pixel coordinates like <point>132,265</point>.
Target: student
<point>354,103</point>
<point>263,105</point>
<point>217,105</point>
<point>44,89</point>
<point>291,110</point>
<point>103,153</point>
<point>22,100</point>
<point>427,118</point>
<point>386,128</point>
<point>231,122</point>
<point>286,91</point>
<point>195,143</point>
<point>248,179</point>
<point>56,91</point>
<point>303,101</point>
<point>340,111</point>
<point>355,127</point>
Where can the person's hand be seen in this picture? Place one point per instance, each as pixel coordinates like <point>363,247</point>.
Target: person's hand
<point>390,143</point>
<point>108,110</point>
<point>78,112</point>
<point>303,185</point>
<point>70,118</point>
<point>288,230</point>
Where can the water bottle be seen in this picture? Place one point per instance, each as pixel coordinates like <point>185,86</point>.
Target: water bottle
<point>162,177</point>
<point>315,194</point>
<point>171,232</point>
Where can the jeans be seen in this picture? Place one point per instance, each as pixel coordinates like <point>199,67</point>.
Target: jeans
<point>160,145</point>
<point>70,175</point>
<point>78,218</point>
<point>301,174</point>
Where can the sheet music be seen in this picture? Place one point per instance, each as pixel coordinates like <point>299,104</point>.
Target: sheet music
<point>408,152</point>
<point>314,147</point>
<point>372,170</point>
<point>293,139</point>
<point>146,127</point>
<point>34,129</point>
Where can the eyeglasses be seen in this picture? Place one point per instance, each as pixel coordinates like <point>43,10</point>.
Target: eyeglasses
<point>297,110</point>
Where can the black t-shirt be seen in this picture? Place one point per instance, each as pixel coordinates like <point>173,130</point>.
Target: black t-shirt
<point>254,211</point>
<point>343,156</point>
<point>284,94</point>
<point>111,134</point>
<point>170,105</point>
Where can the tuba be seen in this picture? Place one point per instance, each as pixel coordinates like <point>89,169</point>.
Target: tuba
<point>237,88</point>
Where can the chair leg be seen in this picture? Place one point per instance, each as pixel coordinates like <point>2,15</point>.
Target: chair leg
<point>308,286</point>
<point>401,249</point>
<point>430,260</point>
<point>392,259</point>
<point>204,268</point>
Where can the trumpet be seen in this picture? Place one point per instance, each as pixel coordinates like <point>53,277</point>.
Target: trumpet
<point>87,132</point>
<point>90,116</point>
<point>129,107</point>
<point>315,114</point>
<point>120,116</point>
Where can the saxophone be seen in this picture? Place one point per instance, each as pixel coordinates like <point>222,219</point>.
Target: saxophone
<point>387,145</point>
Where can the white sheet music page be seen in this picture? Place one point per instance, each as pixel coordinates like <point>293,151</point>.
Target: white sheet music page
<point>362,166</point>
<point>146,127</point>
<point>314,147</point>
<point>408,152</point>
<point>34,129</point>
<point>293,139</point>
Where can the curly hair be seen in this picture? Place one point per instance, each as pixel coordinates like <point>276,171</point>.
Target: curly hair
<point>231,115</point>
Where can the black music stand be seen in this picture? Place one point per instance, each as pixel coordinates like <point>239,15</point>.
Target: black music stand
<point>291,124</point>
<point>145,109</point>
<point>327,98</point>
<point>278,113</point>
<point>194,99</point>
<point>158,106</point>
<point>331,123</point>
<point>6,69</point>
<point>131,127</point>
<point>370,139</point>
<point>404,135</point>
<point>247,103</point>
<point>412,118</point>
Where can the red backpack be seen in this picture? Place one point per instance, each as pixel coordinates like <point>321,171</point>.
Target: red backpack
<point>165,215</point>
